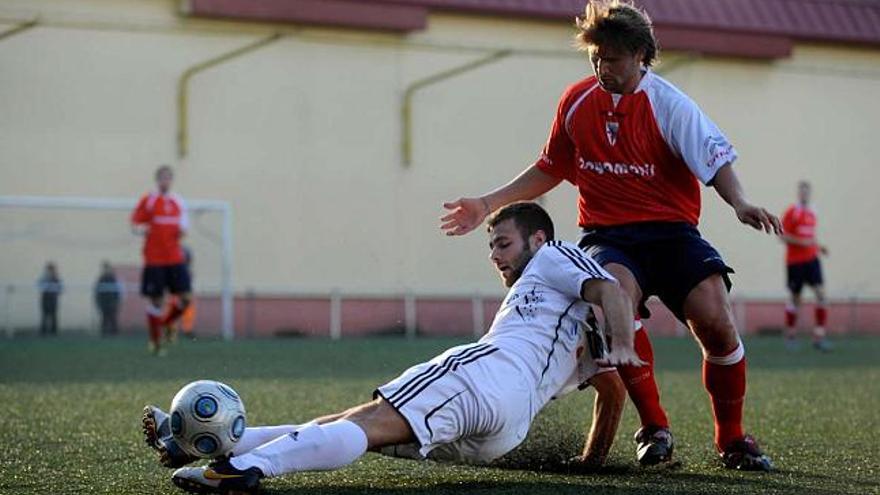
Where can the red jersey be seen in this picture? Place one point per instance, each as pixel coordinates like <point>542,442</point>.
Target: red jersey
<point>165,217</point>
<point>634,157</point>
<point>800,221</point>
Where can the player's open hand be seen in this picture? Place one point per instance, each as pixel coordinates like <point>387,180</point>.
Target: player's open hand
<point>620,356</point>
<point>466,215</point>
<point>759,218</point>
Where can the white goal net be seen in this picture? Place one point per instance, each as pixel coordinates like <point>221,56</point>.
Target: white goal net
<point>77,235</point>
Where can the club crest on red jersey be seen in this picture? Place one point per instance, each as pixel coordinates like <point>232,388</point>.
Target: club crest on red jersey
<point>611,130</point>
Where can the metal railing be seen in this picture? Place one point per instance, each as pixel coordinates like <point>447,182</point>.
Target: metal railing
<point>339,314</point>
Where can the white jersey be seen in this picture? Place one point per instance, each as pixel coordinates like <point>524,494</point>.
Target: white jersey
<point>539,323</point>
<point>475,402</point>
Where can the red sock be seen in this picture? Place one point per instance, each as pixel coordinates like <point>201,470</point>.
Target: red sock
<point>173,313</point>
<point>726,384</point>
<point>154,324</point>
<point>821,315</point>
<point>640,383</point>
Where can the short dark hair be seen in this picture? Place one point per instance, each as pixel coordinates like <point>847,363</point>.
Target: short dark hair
<point>529,218</point>
<point>163,168</point>
<point>619,25</point>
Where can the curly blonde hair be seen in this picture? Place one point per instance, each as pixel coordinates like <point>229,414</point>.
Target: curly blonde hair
<point>617,24</point>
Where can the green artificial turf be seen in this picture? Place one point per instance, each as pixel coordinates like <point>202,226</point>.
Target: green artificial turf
<point>70,416</point>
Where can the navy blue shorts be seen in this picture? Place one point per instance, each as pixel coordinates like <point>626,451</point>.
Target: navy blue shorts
<point>667,259</point>
<point>809,273</point>
<point>155,279</point>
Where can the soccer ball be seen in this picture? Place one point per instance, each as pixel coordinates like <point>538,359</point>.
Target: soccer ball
<point>207,418</point>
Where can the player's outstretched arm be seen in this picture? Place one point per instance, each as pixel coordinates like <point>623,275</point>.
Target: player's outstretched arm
<point>617,308</point>
<point>468,213</point>
<point>607,410</point>
<point>727,184</point>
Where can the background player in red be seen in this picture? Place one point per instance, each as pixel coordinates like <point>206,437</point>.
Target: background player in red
<point>160,216</point>
<point>637,149</point>
<point>803,267</point>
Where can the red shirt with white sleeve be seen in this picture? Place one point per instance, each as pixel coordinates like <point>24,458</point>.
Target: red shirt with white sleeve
<point>165,218</point>
<point>799,221</point>
<point>634,157</point>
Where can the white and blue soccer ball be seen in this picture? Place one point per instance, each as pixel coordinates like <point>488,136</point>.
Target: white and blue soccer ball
<point>207,418</point>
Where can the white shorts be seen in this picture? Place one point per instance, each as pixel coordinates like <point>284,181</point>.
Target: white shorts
<point>469,404</point>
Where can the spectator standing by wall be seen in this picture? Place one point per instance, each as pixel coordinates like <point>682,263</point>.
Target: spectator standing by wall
<point>108,295</point>
<point>50,288</point>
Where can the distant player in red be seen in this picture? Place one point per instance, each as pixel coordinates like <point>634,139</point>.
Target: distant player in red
<point>160,216</point>
<point>803,267</point>
<point>638,149</point>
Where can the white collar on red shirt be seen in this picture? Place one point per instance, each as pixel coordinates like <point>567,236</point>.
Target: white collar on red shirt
<point>647,77</point>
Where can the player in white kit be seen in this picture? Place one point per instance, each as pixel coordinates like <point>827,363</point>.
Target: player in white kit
<point>475,402</point>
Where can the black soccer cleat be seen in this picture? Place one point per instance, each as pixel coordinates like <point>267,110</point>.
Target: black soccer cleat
<point>654,445</point>
<point>745,455</point>
<point>220,477</point>
<point>156,426</point>
<point>822,345</point>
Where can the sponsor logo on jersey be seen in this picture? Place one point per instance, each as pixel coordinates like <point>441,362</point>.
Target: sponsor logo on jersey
<point>166,220</point>
<point>527,304</point>
<point>719,150</point>
<point>647,170</point>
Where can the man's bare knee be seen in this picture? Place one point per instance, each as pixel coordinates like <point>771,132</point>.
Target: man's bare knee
<point>820,294</point>
<point>718,340</point>
<point>184,299</point>
<point>708,313</point>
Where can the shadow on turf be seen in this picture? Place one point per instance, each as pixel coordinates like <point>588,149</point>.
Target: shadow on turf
<point>676,480</point>
<point>611,480</point>
<point>667,480</point>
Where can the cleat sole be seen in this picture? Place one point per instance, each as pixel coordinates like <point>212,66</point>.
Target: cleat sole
<point>148,422</point>
<point>151,438</point>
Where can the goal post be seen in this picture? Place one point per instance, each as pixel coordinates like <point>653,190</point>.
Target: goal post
<point>194,206</point>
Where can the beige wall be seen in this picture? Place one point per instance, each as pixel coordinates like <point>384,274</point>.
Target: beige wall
<point>302,137</point>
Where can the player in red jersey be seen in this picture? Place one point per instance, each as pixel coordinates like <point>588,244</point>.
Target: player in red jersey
<point>160,216</point>
<point>637,149</point>
<point>803,267</point>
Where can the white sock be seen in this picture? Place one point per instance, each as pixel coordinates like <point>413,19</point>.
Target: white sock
<point>255,436</point>
<point>312,448</point>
